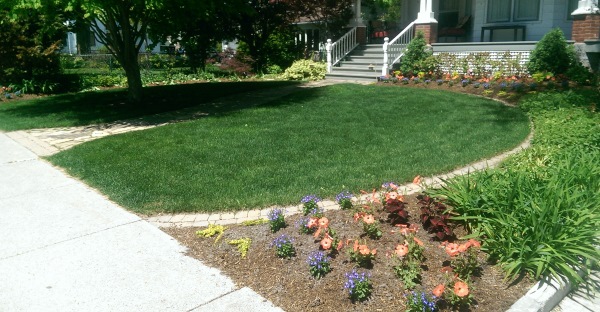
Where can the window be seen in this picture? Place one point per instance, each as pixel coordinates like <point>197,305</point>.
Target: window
<point>499,11</point>
<point>573,4</point>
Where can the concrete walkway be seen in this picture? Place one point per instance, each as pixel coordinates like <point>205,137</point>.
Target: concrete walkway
<point>64,247</point>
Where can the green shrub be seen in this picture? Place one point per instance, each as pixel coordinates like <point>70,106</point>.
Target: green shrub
<point>552,54</point>
<point>415,55</point>
<point>305,70</point>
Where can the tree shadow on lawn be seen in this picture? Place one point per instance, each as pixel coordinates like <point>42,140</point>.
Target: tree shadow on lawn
<point>111,105</point>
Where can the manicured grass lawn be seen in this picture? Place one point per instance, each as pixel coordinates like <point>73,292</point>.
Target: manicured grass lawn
<point>316,141</point>
<point>76,109</point>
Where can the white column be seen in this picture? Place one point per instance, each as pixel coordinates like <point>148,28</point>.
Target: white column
<point>357,20</point>
<point>328,49</point>
<point>426,15</point>
<point>586,7</point>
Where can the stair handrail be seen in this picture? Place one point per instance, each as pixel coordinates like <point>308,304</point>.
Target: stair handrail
<point>394,49</point>
<point>338,50</point>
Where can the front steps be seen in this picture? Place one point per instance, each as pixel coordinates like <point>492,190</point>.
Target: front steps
<point>355,66</point>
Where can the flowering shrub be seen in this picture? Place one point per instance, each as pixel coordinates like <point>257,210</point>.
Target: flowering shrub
<point>420,302</point>
<point>276,219</point>
<point>362,255</point>
<point>410,256</point>
<point>344,199</point>
<point>318,264</point>
<point>358,285</point>
<point>284,247</point>
<point>310,206</point>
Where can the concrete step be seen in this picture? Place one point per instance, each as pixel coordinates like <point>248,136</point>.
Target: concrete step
<point>352,76</point>
<point>345,68</point>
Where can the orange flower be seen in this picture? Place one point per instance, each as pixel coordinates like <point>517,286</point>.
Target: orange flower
<point>462,248</point>
<point>393,186</point>
<point>461,289</point>
<point>364,250</point>
<point>340,245</point>
<point>473,243</point>
<point>326,243</point>
<point>391,195</point>
<point>452,249</point>
<point>368,219</point>
<point>417,180</point>
<point>438,290</point>
<point>401,250</point>
<point>418,241</point>
<point>323,222</point>
<point>355,245</point>
<point>357,216</point>
<point>374,252</point>
<point>312,222</point>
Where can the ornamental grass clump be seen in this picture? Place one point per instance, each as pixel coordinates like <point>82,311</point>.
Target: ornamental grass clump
<point>318,264</point>
<point>358,285</point>
<point>276,219</point>
<point>284,247</point>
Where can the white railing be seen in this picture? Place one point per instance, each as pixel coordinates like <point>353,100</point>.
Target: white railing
<point>338,50</point>
<point>394,49</point>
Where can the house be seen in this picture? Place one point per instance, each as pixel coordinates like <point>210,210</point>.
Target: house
<point>467,26</point>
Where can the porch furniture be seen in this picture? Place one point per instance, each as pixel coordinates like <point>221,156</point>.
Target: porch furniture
<point>515,29</point>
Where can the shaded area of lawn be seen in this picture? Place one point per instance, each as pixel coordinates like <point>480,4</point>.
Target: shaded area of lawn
<point>76,109</point>
<point>314,141</point>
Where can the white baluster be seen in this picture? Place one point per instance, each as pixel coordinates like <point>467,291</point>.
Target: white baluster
<point>328,49</point>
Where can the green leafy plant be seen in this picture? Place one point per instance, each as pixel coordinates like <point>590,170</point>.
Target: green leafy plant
<point>362,255</point>
<point>344,199</point>
<point>552,54</point>
<point>310,206</point>
<point>305,70</point>
<point>358,285</point>
<point>318,264</point>
<point>415,55</point>
<point>276,219</point>
<point>284,247</point>
<point>410,257</point>
<point>371,227</point>
<point>255,222</point>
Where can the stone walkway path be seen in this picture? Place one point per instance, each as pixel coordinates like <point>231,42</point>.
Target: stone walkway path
<point>49,141</point>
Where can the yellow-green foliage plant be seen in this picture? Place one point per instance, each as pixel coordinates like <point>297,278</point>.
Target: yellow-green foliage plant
<point>211,231</point>
<point>242,244</point>
<point>255,222</point>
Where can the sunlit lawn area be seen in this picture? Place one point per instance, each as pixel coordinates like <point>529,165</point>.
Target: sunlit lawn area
<point>316,141</point>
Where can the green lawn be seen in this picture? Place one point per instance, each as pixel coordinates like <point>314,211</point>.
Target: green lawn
<point>316,141</point>
<point>76,109</point>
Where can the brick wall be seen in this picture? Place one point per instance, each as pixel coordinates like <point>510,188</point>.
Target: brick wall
<point>361,35</point>
<point>430,31</point>
<point>586,27</point>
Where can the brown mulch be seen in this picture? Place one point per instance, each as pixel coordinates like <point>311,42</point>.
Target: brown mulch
<point>288,284</point>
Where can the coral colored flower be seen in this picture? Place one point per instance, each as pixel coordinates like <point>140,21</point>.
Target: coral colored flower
<point>417,180</point>
<point>473,243</point>
<point>462,247</point>
<point>414,228</point>
<point>356,245</point>
<point>418,241</point>
<point>461,289</point>
<point>391,195</point>
<point>326,243</point>
<point>368,219</point>
<point>357,216</point>
<point>340,245</point>
<point>401,250</point>
<point>364,250</point>
<point>452,249</point>
<point>312,222</point>
<point>324,222</point>
<point>438,291</point>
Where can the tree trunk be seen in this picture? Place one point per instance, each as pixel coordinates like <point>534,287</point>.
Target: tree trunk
<point>134,82</point>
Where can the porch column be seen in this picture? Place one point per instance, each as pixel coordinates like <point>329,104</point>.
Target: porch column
<point>426,21</point>
<point>357,21</point>
<point>586,21</point>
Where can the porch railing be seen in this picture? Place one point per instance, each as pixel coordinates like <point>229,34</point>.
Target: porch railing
<point>338,50</point>
<point>394,49</point>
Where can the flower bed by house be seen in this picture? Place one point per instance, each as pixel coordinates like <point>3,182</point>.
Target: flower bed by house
<point>385,252</point>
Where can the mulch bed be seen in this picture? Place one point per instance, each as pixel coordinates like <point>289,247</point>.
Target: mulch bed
<point>288,284</point>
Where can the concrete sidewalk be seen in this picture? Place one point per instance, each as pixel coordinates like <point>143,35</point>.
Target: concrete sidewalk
<point>64,247</point>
